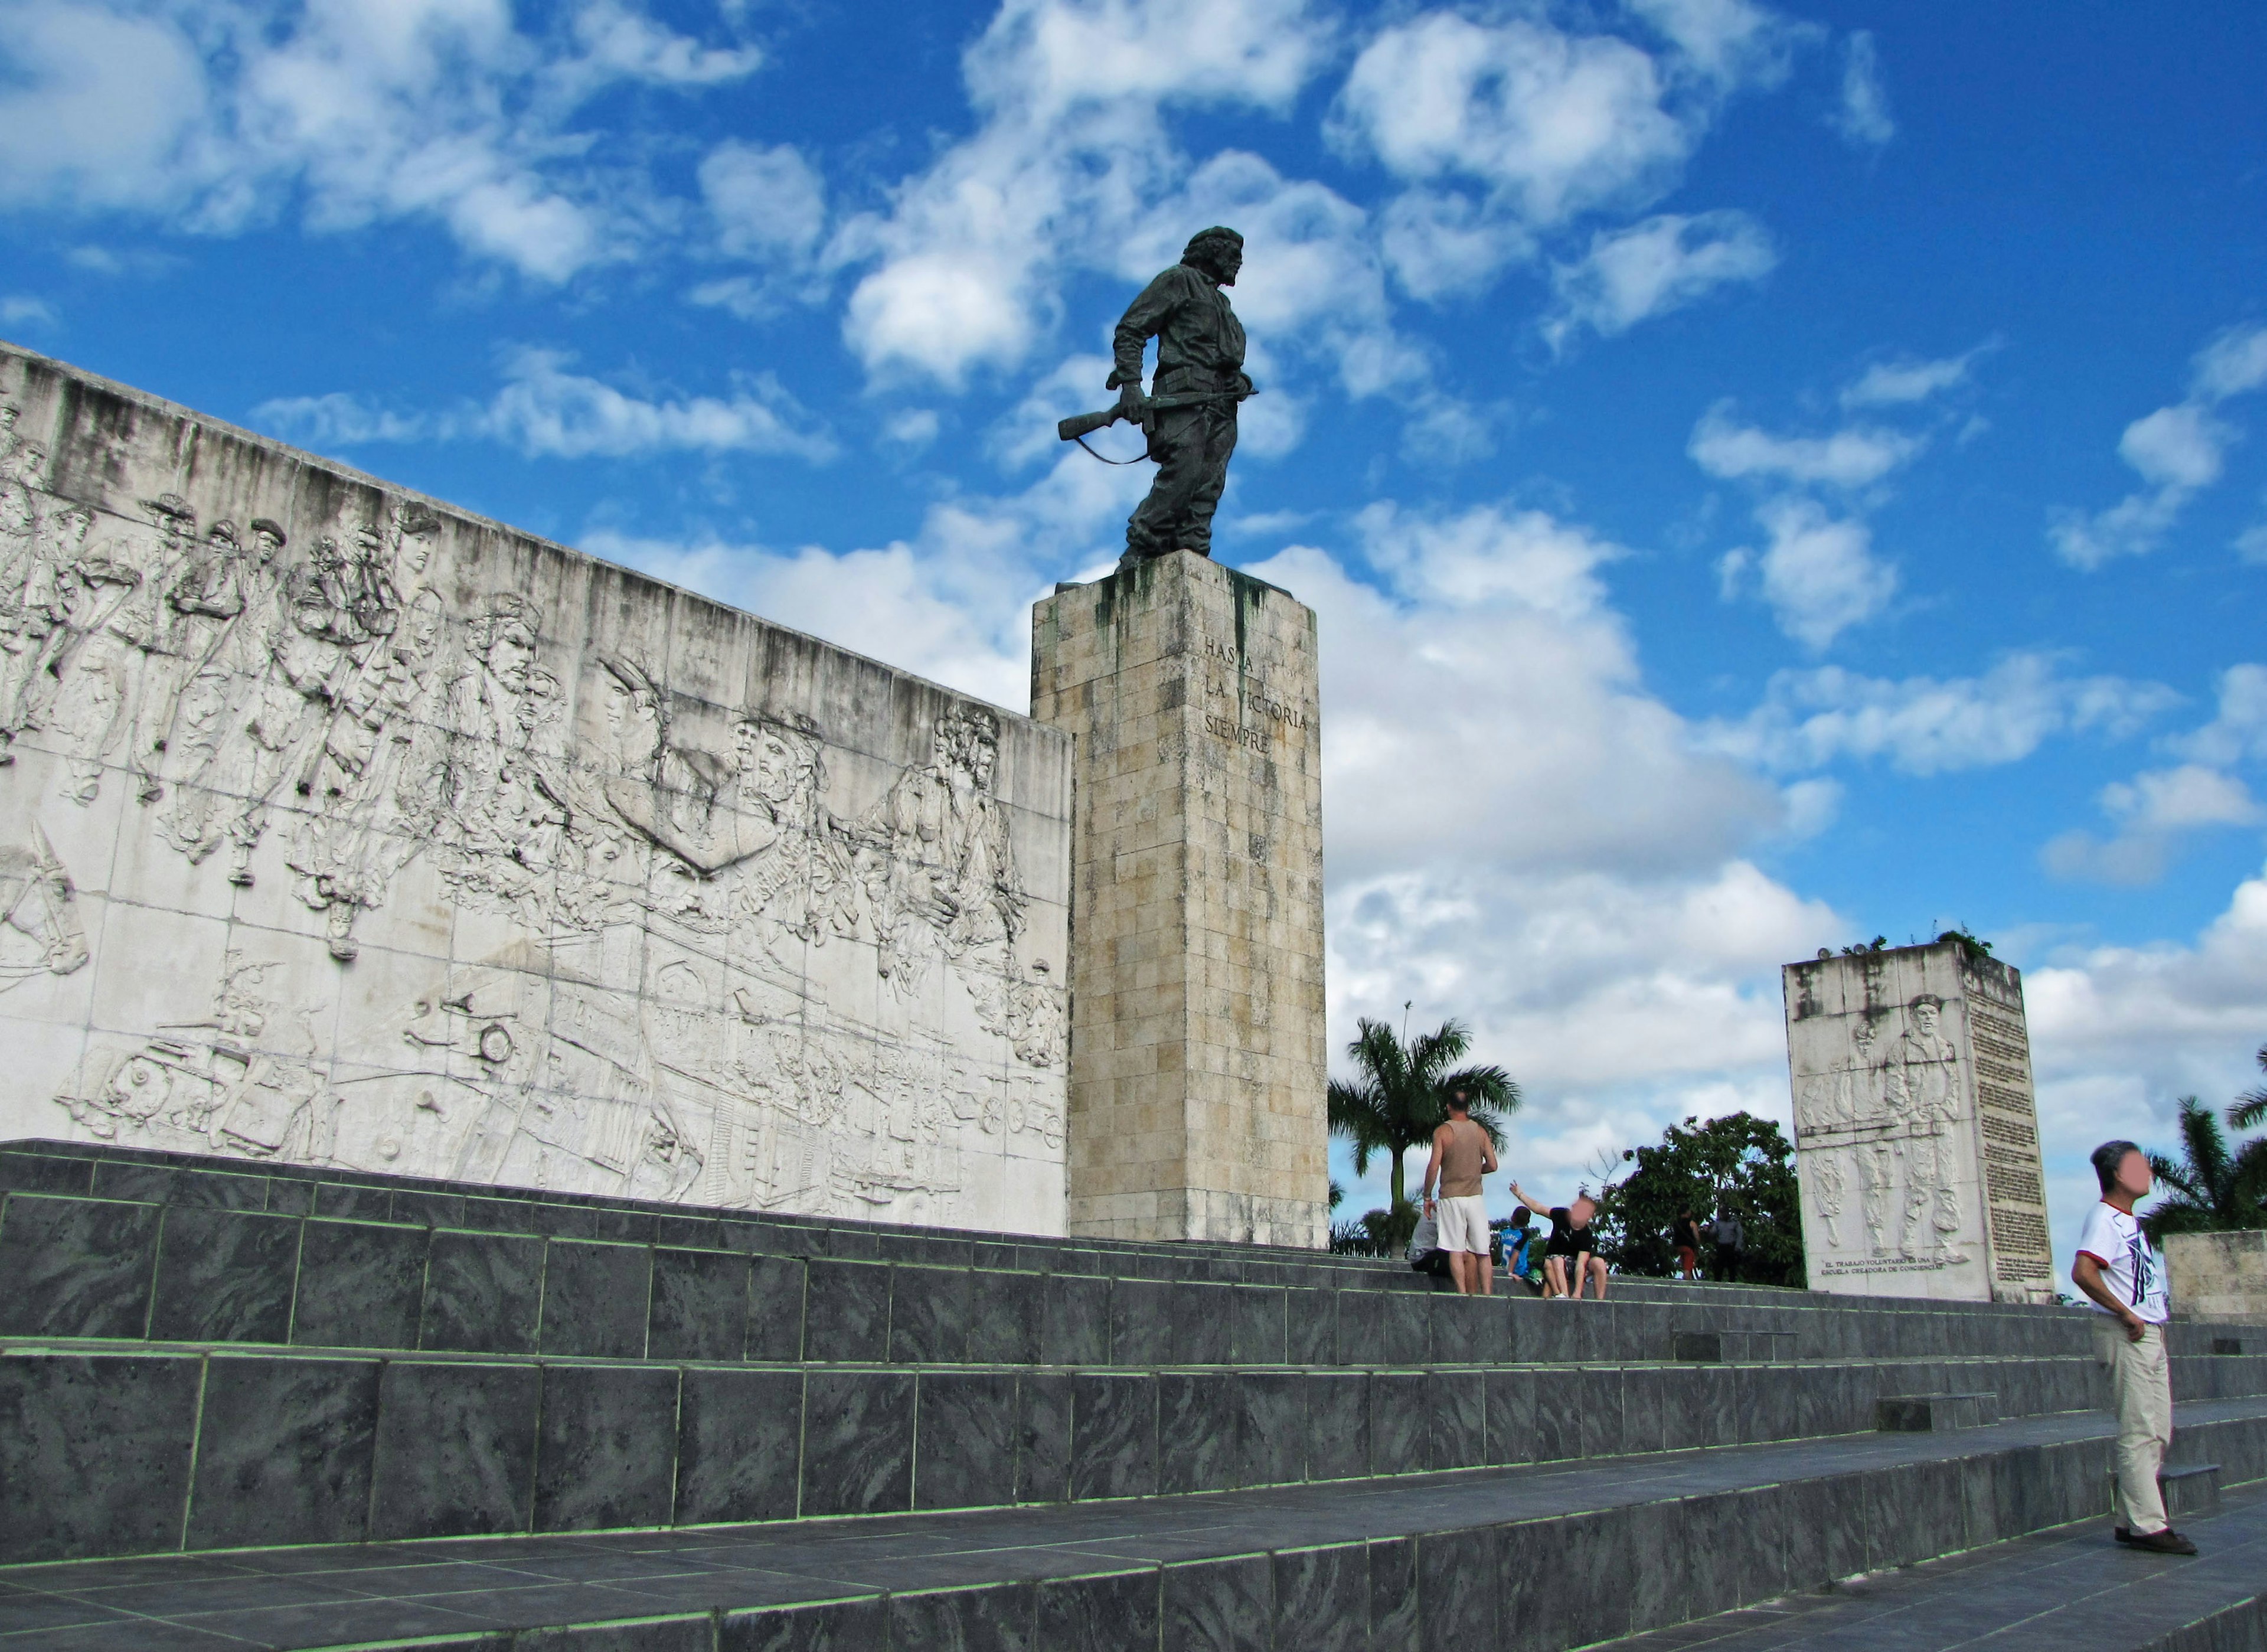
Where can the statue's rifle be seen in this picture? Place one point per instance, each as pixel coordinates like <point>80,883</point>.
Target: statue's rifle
<point>1079,426</point>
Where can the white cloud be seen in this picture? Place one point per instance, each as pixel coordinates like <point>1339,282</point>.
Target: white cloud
<point>768,204</point>
<point>1728,40</point>
<point>2239,733</point>
<point>1819,573</point>
<point>2178,451</point>
<point>911,427</point>
<point>1069,155</point>
<point>547,412</point>
<point>1555,122</point>
<point>2179,799</point>
<point>1927,725</point>
<point>2178,447</point>
<point>2119,1034</point>
<point>1442,241</point>
<point>1863,117</point>
<point>1905,380</point>
<point>768,207</point>
<point>354,111</point>
<point>1854,457</point>
<point>1488,554</point>
<point>22,309</point>
<point>2231,364</point>
<point>1663,263</point>
<point>1504,130</point>
<point>1488,707</point>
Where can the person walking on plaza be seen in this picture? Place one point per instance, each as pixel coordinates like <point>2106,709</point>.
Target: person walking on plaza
<point>2122,1277</point>
<point>1731,1238</point>
<point>1684,1234</point>
<point>1461,1155</point>
<point>1571,1256</point>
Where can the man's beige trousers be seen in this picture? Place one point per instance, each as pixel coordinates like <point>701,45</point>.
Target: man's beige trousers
<point>2141,1380</point>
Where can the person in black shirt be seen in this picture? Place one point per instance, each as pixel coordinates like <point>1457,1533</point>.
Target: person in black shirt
<point>1571,1256</point>
<point>1684,1234</point>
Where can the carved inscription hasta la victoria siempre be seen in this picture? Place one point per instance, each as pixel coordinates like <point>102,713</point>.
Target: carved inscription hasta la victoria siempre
<point>1250,694</point>
<point>320,709</point>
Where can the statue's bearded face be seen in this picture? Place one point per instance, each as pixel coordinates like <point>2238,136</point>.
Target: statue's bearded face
<point>1216,257</point>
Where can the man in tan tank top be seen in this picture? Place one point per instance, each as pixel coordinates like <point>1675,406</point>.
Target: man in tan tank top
<point>1461,1157</point>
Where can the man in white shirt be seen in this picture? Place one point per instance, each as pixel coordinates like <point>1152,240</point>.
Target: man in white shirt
<point>2123,1279</point>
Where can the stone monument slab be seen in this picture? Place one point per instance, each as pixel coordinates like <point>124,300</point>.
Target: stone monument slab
<point>2218,1276</point>
<point>341,827</point>
<point>1197,1042</point>
<point>1917,1138</point>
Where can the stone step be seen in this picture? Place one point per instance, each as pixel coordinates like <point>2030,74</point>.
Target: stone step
<point>1924,1414</point>
<point>118,1268</point>
<point>1546,1558</point>
<point>1825,1324</point>
<point>1733,1347</point>
<point>145,1449</point>
<point>2188,1489</point>
<point>2066,1588</point>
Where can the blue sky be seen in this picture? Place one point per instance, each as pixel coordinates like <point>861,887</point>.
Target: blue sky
<point>1769,476</point>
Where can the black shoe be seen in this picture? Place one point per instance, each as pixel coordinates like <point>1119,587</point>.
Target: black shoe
<point>2166,1542</point>
<point>2123,1534</point>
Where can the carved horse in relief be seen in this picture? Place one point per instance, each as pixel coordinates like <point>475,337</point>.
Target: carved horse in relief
<point>39,930</point>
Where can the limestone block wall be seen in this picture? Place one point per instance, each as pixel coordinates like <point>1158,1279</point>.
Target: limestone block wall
<point>2218,1276</point>
<point>1916,1139</point>
<point>338,827</point>
<point>1198,1052</point>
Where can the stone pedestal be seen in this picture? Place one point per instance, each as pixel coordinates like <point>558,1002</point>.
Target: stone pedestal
<point>1916,1139</point>
<point>2218,1276</point>
<point>1197,1043</point>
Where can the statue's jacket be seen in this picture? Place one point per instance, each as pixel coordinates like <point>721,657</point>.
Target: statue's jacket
<point>1199,341</point>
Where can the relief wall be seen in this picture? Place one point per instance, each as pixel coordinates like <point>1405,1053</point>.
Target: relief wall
<point>341,827</point>
<point>1919,1172</point>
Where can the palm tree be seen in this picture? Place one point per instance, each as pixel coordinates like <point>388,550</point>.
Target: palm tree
<point>2251,1109</point>
<point>2213,1190</point>
<point>1402,1096</point>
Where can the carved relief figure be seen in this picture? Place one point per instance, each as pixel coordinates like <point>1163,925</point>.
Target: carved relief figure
<point>1830,1186</point>
<point>1876,1173</point>
<point>35,613</point>
<point>238,1081</point>
<point>39,928</point>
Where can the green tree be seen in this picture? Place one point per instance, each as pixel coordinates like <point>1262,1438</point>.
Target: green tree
<point>2251,1109</point>
<point>2215,1188</point>
<point>1738,1161</point>
<point>1401,1097</point>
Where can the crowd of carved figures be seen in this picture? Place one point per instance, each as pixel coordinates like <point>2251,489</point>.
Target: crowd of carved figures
<point>334,702</point>
<point>1893,1099</point>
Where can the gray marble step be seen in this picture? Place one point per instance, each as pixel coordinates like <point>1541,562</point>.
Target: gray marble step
<point>1925,1414</point>
<point>121,1449</point>
<point>1735,1347</point>
<point>1545,1558</point>
<point>2069,1588</point>
<point>114,1267</point>
<point>2188,1489</point>
<point>522,1233</point>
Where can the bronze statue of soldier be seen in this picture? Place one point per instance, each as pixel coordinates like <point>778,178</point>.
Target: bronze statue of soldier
<point>1189,416</point>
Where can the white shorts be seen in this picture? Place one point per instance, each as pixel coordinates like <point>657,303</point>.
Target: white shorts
<point>1463,1224</point>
